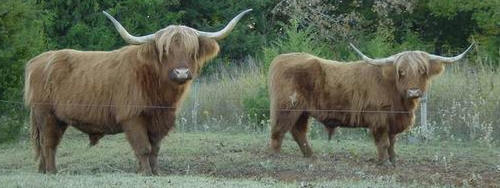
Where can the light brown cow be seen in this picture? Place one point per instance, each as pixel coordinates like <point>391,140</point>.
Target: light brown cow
<point>136,89</point>
<point>378,94</point>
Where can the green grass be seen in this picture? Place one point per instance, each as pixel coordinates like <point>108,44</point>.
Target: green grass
<point>207,159</point>
<point>132,180</point>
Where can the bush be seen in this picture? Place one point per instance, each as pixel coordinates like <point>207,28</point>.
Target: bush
<point>257,106</point>
<point>295,40</point>
<point>21,38</point>
<point>12,122</point>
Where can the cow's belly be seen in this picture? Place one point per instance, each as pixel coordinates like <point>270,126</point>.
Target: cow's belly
<point>333,123</point>
<point>90,121</point>
<point>335,119</point>
<point>97,129</point>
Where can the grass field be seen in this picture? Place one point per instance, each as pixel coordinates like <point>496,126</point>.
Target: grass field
<point>207,159</point>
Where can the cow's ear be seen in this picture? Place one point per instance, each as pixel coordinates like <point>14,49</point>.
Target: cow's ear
<point>208,49</point>
<point>436,68</point>
<point>388,71</point>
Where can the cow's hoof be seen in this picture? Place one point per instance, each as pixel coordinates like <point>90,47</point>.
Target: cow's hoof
<point>51,172</point>
<point>273,153</point>
<point>308,155</point>
<point>385,163</point>
<point>393,163</point>
<point>155,173</point>
<point>146,173</point>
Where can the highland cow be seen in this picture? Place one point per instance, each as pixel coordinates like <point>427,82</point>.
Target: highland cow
<point>378,94</point>
<point>136,89</point>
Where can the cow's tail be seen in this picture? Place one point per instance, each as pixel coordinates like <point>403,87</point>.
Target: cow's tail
<point>35,135</point>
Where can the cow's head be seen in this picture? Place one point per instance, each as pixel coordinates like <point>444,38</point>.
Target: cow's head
<point>181,50</point>
<point>411,70</point>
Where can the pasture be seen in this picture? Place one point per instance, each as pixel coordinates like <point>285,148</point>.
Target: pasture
<point>231,149</point>
<point>210,159</point>
<point>222,129</point>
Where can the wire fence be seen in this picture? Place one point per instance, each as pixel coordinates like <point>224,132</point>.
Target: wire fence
<point>260,109</point>
<point>465,121</point>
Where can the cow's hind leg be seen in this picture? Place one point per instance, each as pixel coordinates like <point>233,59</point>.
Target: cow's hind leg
<point>281,122</point>
<point>137,136</point>
<point>51,133</point>
<point>299,133</point>
<point>381,138</point>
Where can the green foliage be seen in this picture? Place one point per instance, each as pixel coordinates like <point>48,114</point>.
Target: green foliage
<point>257,106</point>
<point>294,39</point>
<point>21,37</point>
<point>12,122</point>
<point>382,44</point>
<point>454,21</point>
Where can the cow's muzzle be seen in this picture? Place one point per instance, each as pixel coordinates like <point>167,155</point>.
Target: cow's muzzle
<point>180,75</point>
<point>414,93</point>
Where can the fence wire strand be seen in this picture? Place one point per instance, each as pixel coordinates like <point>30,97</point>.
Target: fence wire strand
<point>260,109</point>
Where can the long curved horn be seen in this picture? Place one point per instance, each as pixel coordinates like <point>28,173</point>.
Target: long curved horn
<point>125,35</point>
<point>224,32</point>
<point>374,61</point>
<point>450,59</point>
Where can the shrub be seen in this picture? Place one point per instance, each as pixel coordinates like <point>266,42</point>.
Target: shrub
<point>257,106</point>
<point>295,40</point>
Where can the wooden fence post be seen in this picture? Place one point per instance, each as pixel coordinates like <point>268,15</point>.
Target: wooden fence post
<point>423,109</point>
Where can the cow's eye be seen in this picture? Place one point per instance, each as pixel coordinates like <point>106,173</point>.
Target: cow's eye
<point>421,71</point>
<point>401,73</point>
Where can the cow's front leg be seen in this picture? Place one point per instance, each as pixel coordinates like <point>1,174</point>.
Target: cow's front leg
<point>156,135</point>
<point>381,138</point>
<point>153,157</point>
<point>137,135</point>
<point>392,153</point>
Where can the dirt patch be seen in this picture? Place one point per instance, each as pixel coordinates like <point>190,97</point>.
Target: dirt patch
<point>256,163</point>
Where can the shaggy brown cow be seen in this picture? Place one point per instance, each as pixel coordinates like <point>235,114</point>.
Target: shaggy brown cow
<point>379,94</point>
<point>136,89</point>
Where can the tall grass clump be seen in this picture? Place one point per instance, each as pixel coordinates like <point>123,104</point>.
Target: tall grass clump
<point>465,102</point>
<point>13,121</point>
<point>215,101</point>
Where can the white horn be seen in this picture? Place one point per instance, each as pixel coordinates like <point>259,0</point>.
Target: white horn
<point>126,36</point>
<point>224,32</point>
<point>450,59</point>
<point>373,61</point>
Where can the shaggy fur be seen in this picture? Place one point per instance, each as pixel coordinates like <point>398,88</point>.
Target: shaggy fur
<point>353,94</point>
<point>103,93</point>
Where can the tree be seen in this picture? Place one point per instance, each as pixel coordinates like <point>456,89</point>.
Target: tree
<point>21,37</point>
